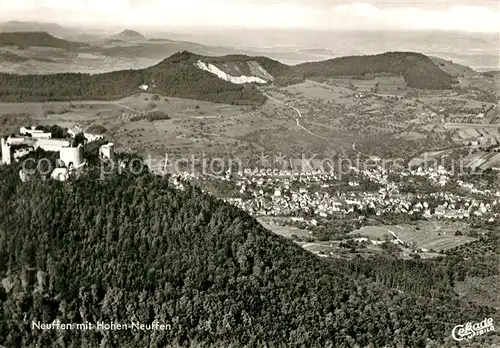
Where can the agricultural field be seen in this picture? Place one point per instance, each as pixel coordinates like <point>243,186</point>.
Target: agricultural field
<point>364,85</point>
<point>412,136</point>
<point>428,238</point>
<point>475,135</point>
<point>305,239</point>
<point>317,90</point>
<point>482,160</point>
<point>481,81</point>
<point>457,101</point>
<point>425,235</point>
<point>429,156</point>
<point>274,225</point>
<point>390,85</point>
<point>15,115</point>
<point>334,111</point>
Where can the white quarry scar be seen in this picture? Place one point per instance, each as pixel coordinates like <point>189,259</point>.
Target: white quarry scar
<point>223,75</point>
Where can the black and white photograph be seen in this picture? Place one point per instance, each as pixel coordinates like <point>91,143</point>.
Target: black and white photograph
<point>249,174</point>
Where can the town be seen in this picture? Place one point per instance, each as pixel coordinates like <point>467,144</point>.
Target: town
<point>412,205</point>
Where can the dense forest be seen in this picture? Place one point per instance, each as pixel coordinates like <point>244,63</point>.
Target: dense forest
<point>132,248</point>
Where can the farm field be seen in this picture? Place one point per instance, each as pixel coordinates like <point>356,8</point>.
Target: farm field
<point>430,235</point>
<point>455,101</point>
<point>412,136</point>
<point>285,231</point>
<point>333,249</point>
<point>481,81</point>
<point>426,157</point>
<point>391,85</point>
<point>482,160</point>
<point>304,238</point>
<point>323,91</point>
<point>333,110</point>
<point>364,85</point>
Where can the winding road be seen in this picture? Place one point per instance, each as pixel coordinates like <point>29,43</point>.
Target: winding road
<point>297,120</point>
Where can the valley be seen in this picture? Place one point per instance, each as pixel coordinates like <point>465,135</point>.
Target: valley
<point>363,186</point>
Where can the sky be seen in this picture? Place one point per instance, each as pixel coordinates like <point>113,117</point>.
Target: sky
<point>469,16</point>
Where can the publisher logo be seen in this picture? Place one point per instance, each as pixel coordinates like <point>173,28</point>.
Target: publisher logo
<point>469,330</point>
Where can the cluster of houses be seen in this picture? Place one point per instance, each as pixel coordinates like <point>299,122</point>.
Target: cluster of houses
<point>292,194</point>
<point>317,194</point>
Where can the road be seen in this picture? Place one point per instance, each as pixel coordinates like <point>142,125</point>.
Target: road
<point>434,110</point>
<point>297,120</point>
<point>127,107</point>
<point>107,102</point>
<point>470,125</point>
<point>395,236</point>
<point>359,153</point>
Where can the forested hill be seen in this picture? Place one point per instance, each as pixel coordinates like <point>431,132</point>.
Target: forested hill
<point>131,248</point>
<point>128,35</point>
<point>418,70</point>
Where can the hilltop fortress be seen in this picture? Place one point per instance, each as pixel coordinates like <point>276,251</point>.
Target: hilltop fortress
<point>71,156</point>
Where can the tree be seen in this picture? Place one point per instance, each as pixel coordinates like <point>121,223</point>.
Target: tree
<point>79,139</point>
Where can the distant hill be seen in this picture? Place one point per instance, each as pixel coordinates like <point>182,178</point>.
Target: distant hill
<point>83,37</point>
<point>159,40</point>
<point>51,28</point>
<point>150,49</point>
<point>128,35</point>
<point>35,38</point>
<point>493,73</point>
<point>318,51</point>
